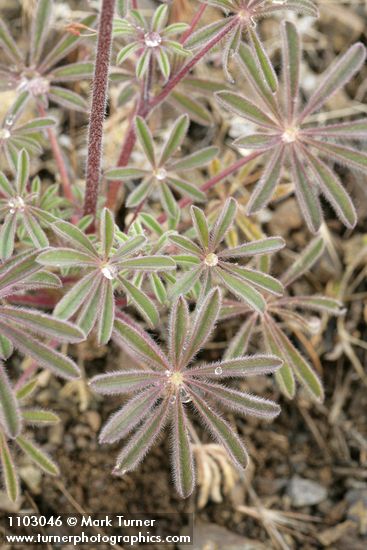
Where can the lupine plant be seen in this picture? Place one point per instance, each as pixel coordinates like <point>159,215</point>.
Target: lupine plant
<point>108,256</point>
<point>171,381</point>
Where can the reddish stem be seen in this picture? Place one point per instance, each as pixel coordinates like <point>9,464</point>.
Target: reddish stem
<point>193,24</point>
<point>98,107</point>
<point>59,159</point>
<point>216,179</point>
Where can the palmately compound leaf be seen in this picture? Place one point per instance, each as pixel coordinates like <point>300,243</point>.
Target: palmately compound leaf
<point>162,389</point>
<point>285,133</point>
<point>211,263</point>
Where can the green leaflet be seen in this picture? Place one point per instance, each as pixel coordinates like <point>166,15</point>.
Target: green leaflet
<point>37,456</point>
<point>8,470</point>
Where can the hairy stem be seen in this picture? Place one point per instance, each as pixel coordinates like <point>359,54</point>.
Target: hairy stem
<point>98,107</point>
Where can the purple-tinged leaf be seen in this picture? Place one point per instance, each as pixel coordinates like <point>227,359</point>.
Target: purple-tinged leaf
<point>147,263</point>
<point>34,125</point>
<point>205,34</point>
<point>129,416</point>
<point>257,141</point>
<point>145,139</point>
<point>315,303</point>
<point>8,45</point>
<point>163,63</point>
<point>187,189</point>
<point>268,245</point>
<point>269,180</point>
<point>141,301</point>
<point>284,376</point>
<point>344,155</point>
<point>140,193</point>
<point>9,473</point>
<point>241,402</point>
<point>304,262</point>
<point>239,344</point>
<point>242,107</point>
<point>40,26</point>
<point>186,244</point>
<point>47,357</point>
<point>7,236</point>
<point>175,138</point>
<point>68,99</point>
<point>238,367</point>
<point>106,313</point>
<point>10,418</point>
<point>75,72</point>
<point>34,230</point>
<point>75,236</point>
<point>204,322</point>
<point>125,173</point>
<point>196,160</point>
<point>120,382</point>
<point>22,172</point>
<point>333,190</point>
<point>74,298</point>
<point>39,417</point>
<point>107,231</point>
<point>223,222</point>
<point>65,45</point>
<point>42,324</point>
<point>178,329</point>
<point>251,70</point>
<point>355,129</point>
<point>134,452</point>
<point>15,270</point>
<point>243,290</point>
<point>6,348</point>
<point>201,226</point>
<point>182,457</point>
<point>88,313</point>
<point>307,195</point>
<point>26,389</point>
<point>39,457</point>
<point>66,257</point>
<point>5,186</point>
<point>305,374</point>
<point>221,431</point>
<point>129,246</point>
<point>129,335</point>
<point>186,282</point>
<point>257,279</point>
<point>291,65</point>
<point>263,61</point>
<point>335,77</point>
